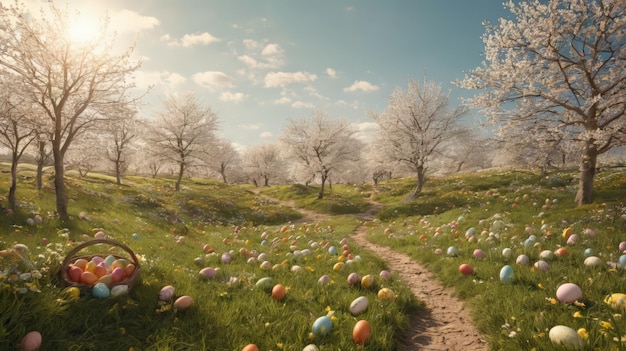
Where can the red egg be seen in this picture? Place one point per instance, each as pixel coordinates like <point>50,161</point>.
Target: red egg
<point>466,269</point>
<point>75,272</point>
<point>361,332</point>
<point>250,347</point>
<point>279,292</point>
<point>31,341</point>
<point>118,274</point>
<point>130,268</point>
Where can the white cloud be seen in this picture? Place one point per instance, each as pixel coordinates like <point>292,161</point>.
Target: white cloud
<point>130,21</point>
<point>282,79</point>
<point>213,79</point>
<point>189,40</point>
<point>254,126</point>
<point>331,73</point>
<point>300,104</point>
<point>366,131</point>
<point>158,78</point>
<point>272,50</point>
<point>249,61</point>
<point>250,43</point>
<point>232,97</point>
<point>282,101</point>
<point>363,86</point>
<point>266,135</point>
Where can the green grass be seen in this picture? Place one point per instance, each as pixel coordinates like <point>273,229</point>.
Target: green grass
<point>172,230</point>
<point>502,208</point>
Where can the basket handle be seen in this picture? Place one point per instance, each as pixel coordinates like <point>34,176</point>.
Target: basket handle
<point>79,247</point>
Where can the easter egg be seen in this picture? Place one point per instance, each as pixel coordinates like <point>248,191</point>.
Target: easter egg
<point>622,246</point>
<point>522,260</point>
<point>90,267</point>
<point>561,251</point>
<point>119,290</point>
<point>121,262</point>
<point>566,336</point>
<point>567,232</point>
<point>568,293</point>
<point>100,291</point>
<point>452,251</point>
<point>541,265</point>
<point>573,239</point>
<point>106,279</point>
<point>506,252</point>
<point>386,294</point>
<point>72,293</point>
<point>361,332</point>
<point>109,260</point>
<point>75,273</point>
<point>322,326</point>
<point>354,279</point>
<point>478,253</point>
<point>311,347</point>
<point>438,252</point>
<point>385,275</point>
<point>118,274</point>
<point>130,268</point>
<point>31,341</point>
<point>588,252</point>
<point>546,255</point>
<point>226,257</point>
<point>183,303</point>
<point>338,266</point>
<point>279,292</point>
<point>466,269</point>
<point>323,280</point>
<point>265,265</point>
<point>622,260</point>
<point>166,293</point>
<point>135,236</point>
<point>81,263</point>
<point>593,261</point>
<point>207,273</point>
<point>367,281</point>
<point>359,305</point>
<point>507,275</point>
<point>332,250</point>
<point>264,283</point>
<point>88,278</point>
<point>250,347</point>
<point>616,301</point>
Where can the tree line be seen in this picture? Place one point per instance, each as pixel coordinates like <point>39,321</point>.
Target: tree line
<point>552,86</point>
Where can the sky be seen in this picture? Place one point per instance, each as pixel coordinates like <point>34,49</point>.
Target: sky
<point>258,63</point>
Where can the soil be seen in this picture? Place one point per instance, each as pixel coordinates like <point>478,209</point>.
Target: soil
<point>444,323</point>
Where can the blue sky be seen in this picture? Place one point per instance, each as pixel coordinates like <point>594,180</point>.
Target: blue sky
<point>258,63</point>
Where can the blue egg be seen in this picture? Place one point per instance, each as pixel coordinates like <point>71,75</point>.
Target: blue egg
<point>452,251</point>
<point>332,250</point>
<point>322,326</point>
<point>588,252</point>
<point>622,260</point>
<point>507,275</point>
<point>135,236</point>
<point>110,259</point>
<point>101,291</point>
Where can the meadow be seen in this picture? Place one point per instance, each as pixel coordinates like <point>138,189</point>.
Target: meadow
<point>485,220</point>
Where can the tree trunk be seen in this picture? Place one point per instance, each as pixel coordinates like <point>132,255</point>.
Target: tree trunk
<point>40,162</point>
<point>59,183</point>
<point>267,181</point>
<point>420,180</point>
<point>181,172</point>
<point>458,168</point>
<point>320,195</point>
<point>12,189</point>
<point>118,171</point>
<point>587,173</point>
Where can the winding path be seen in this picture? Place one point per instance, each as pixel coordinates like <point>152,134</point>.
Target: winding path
<point>444,323</point>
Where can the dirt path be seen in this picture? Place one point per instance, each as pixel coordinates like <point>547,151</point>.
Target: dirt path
<point>444,324</point>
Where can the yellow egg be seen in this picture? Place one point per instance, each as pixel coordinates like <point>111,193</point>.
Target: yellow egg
<point>106,279</point>
<point>72,293</point>
<point>90,267</point>
<point>81,263</point>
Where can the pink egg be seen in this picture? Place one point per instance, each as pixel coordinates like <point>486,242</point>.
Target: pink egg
<point>622,246</point>
<point>97,259</point>
<point>478,253</point>
<point>118,274</point>
<point>167,293</point>
<point>31,341</point>
<point>385,275</point>
<point>208,273</point>
<point>226,257</point>
<point>568,293</point>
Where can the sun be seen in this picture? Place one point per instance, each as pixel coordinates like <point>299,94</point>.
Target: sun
<point>83,29</point>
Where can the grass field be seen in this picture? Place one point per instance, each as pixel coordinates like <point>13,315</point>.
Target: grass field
<point>501,214</point>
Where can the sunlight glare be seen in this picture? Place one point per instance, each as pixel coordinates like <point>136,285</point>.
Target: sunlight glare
<point>83,29</point>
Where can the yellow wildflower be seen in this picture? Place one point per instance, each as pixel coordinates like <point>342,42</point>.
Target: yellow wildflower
<point>583,333</point>
<point>606,325</point>
<point>577,314</point>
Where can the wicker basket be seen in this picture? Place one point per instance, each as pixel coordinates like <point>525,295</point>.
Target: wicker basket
<point>73,255</point>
